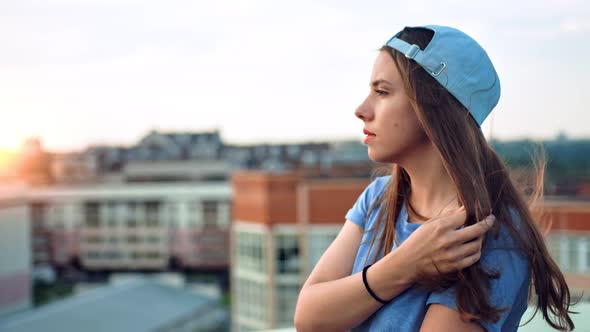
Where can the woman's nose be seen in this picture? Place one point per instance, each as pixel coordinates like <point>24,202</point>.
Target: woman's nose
<point>363,111</point>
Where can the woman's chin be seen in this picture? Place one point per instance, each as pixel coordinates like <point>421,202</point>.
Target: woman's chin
<point>379,157</point>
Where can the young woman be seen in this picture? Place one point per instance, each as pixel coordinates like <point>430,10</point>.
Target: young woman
<point>421,249</point>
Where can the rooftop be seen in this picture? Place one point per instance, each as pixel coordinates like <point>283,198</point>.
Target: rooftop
<point>137,304</point>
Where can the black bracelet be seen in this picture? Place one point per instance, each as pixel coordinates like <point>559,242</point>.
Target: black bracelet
<point>369,288</point>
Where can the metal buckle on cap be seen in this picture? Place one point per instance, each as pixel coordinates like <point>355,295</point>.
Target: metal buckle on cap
<point>440,70</point>
<point>412,51</point>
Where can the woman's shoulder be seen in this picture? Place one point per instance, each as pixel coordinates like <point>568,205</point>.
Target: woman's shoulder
<point>364,202</point>
<point>376,188</point>
<point>379,184</point>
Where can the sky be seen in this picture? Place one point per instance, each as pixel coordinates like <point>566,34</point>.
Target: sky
<point>85,72</point>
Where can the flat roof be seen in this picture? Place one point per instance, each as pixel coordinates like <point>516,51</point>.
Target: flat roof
<point>137,304</point>
<point>143,190</point>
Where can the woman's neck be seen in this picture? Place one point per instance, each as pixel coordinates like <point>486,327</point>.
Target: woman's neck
<point>432,189</point>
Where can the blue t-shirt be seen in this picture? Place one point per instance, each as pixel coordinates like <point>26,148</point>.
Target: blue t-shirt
<point>407,310</point>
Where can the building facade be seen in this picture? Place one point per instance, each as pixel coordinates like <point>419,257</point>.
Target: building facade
<point>569,242</point>
<point>282,224</point>
<point>15,253</point>
<point>132,226</point>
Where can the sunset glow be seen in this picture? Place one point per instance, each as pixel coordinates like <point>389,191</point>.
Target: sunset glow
<point>7,160</point>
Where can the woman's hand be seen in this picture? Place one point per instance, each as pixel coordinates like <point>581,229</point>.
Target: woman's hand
<point>441,246</point>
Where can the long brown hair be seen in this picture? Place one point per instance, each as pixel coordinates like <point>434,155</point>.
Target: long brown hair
<point>483,185</point>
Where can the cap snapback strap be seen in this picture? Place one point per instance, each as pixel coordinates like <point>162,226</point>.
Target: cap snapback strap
<point>433,66</point>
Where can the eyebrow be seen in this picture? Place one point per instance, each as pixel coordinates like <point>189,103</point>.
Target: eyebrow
<point>380,81</point>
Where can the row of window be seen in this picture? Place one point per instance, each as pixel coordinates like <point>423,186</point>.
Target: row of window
<point>251,251</point>
<point>132,238</point>
<point>131,223</point>
<point>109,212</point>
<point>286,301</point>
<point>124,255</point>
<point>572,253</point>
<point>252,299</point>
<point>135,223</point>
<point>250,254</point>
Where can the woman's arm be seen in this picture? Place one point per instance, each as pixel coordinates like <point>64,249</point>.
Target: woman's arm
<point>442,318</point>
<point>333,300</point>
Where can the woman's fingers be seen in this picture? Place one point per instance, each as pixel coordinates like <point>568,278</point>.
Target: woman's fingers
<point>454,219</point>
<point>464,250</point>
<point>473,231</point>
<point>440,244</point>
<point>468,261</point>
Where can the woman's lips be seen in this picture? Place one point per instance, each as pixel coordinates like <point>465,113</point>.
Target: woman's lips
<point>369,136</point>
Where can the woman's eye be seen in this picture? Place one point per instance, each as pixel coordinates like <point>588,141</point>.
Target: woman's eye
<point>380,92</point>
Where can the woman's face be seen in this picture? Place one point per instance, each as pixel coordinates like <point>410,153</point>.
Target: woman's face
<point>388,114</point>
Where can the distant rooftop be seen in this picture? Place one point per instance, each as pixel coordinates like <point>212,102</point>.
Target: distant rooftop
<point>132,305</point>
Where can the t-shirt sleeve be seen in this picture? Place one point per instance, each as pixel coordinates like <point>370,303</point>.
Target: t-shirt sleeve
<point>509,291</point>
<point>359,210</point>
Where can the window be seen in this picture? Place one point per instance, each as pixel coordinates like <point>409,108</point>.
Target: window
<point>132,221</point>
<point>173,215</point>
<point>210,240</point>
<point>554,248</point>
<point>133,239</point>
<point>224,214</point>
<point>250,251</point>
<point>153,255</point>
<point>152,211</point>
<point>287,253</point>
<point>585,255</point>
<point>573,254</point>
<point>153,239</point>
<point>286,298</point>
<point>92,255</point>
<point>38,214</point>
<point>112,214</point>
<point>113,255</point>
<point>94,239</point>
<point>210,213</point>
<point>317,244</point>
<point>252,300</point>
<point>57,214</point>
<point>92,214</point>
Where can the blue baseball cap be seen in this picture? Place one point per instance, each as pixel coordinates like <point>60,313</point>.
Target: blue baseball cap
<point>459,64</point>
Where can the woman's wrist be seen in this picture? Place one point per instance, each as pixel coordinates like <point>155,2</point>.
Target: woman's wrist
<point>406,263</point>
<point>388,277</point>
